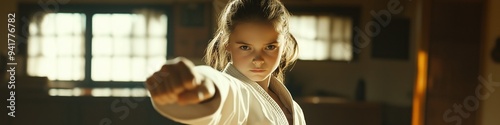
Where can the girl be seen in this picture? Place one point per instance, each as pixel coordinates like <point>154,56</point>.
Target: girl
<point>252,47</point>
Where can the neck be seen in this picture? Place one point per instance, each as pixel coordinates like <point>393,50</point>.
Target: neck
<point>265,83</point>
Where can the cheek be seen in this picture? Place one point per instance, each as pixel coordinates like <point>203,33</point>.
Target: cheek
<point>274,55</point>
<point>279,52</point>
<point>238,56</point>
<point>273,58</point>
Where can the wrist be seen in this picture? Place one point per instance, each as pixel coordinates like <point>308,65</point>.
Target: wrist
<point>211,98</point>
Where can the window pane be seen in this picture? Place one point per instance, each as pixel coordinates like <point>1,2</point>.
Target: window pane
<point>125,47</point>
<point>121,52</point>
<point>158,26</point>
<point>48,24</point>
<point>121,24</point>
<point>101,68</point>
<point>64,47</point>
<point>137,67</point>
<point>101,24</point>
<point>139,29</point>
<point>34,45</point>
<point>56,48</point>
<point>121,69</point>
<point>122,46</point>
<point>155,63</point>
<point>157,46</point>
<point>66,67</point>
<point>322,37</point>
<point>138,47</point>
<point>102,45</point>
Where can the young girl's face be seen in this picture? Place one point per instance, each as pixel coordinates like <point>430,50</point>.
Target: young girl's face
<point>255,49</point>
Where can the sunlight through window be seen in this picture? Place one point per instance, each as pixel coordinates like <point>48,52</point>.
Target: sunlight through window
<point>124,47</point>
<point>127,47</point>
<point>323,37</point>
<point>56,47</point>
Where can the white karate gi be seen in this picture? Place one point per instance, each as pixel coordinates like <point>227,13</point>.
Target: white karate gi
<point>240,101</point>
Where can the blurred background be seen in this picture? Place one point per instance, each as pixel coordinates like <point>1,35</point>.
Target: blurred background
<point>361,62</point>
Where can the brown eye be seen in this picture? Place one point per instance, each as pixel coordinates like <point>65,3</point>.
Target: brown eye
<point>270,47</point>
<point>244,47</point>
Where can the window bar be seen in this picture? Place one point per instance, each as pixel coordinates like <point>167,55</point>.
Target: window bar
<point>331,38</point>
<point>88,49</point>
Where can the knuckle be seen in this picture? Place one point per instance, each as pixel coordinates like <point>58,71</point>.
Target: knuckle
<point>153,94</point>
<point>188,77</point>
<point>149,82</point>
<point>164,67</point>
<point>177,89</point>
<point>184,62</point>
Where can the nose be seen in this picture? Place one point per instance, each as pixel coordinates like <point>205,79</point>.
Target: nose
<point>257,62</point>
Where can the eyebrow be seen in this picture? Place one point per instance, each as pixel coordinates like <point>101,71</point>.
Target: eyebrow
<point>241,42</point>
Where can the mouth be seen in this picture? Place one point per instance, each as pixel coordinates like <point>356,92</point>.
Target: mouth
<point>257,70</point>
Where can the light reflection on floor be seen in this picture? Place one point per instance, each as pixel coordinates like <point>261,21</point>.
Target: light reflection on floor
<point>100,92</point>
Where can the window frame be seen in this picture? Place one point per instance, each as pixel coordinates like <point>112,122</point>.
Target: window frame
<point>88,10</point>
<point>353,12</point>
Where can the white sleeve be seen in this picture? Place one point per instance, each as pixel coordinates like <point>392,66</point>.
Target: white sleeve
<point>229,106</point>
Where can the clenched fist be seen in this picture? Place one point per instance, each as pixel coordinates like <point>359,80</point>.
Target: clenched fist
<point>178,83</point>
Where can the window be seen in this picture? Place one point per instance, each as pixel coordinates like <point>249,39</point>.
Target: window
<point>323,37</point>
<point>124,45</point>
<point>56,47</point>
<point>94,47</point>
<point>324,32</point>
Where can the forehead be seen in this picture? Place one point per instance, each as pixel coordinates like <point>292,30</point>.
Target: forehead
<point>251,32</point>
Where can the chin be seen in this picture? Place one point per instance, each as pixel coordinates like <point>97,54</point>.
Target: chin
<point>257,78</point>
